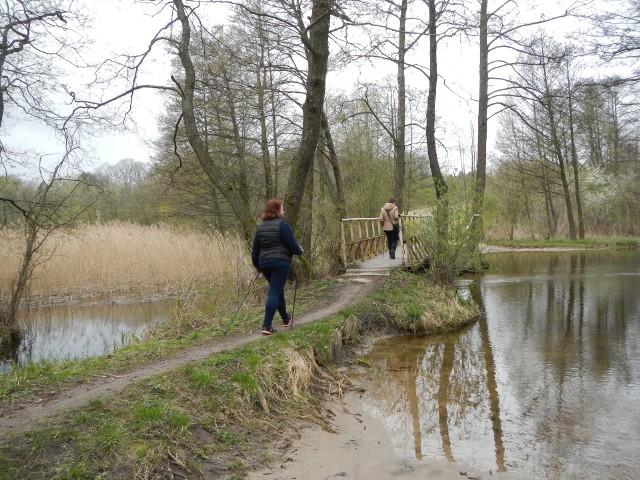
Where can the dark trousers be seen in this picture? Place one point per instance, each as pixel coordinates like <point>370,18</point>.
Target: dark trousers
<point>277,278</point>
<point>392,239</point>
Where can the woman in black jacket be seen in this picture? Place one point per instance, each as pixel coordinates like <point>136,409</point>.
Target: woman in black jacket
<point>274,245</point>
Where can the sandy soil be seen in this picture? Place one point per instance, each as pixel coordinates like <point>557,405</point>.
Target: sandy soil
<point>359,447</point>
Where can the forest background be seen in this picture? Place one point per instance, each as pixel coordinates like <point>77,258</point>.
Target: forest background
<point>332,105</point>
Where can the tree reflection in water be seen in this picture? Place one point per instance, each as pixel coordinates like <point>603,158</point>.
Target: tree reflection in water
<point>548,385</point>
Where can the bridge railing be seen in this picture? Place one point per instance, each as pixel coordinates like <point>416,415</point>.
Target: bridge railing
<point>414,251</point>
<point>362,238</point>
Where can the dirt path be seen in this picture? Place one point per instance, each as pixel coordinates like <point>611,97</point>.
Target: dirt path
<point>28,417</point>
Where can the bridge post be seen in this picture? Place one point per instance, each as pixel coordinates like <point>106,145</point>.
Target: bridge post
<point>343,244</point>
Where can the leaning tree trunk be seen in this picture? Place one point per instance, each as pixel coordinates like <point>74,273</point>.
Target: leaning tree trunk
<point>338,198</point>
<point>557,149</point>
<point>434,165</point>
<point>317,51</point>
<point>9,329</point>
<point>225,186</point>
<point>563,172</point>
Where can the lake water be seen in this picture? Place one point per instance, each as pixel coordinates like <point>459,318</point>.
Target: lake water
<point>547,386</point>
<point>62,332</point>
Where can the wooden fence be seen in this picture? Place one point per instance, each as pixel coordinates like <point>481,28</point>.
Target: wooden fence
<point>414,251</point>
<point>363,238</point>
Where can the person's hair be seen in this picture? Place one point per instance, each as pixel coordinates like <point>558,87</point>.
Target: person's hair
<point>272,209</point>
<point>391,200</point>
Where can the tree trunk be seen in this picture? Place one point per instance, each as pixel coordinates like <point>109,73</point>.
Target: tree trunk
<point>239,169</point>
<point>436,173</point>
<point>483,105</point>
<point>274,127</point>
<point>552,217</point>
<point>9,322</point>
<point>261,81</point>
<point>563,175</point>
<point>224,185</point>
<point>557,148</point>
<point>400,147</point>
<point>317,50</point>
<point>574,160</point>
<point>305,225</point>
<point>339,200</point>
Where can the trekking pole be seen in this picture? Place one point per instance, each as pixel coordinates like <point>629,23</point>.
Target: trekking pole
<point>241,303</point>
<point>295,291</point>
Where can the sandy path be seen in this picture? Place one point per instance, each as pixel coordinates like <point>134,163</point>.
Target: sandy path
<point>28,417</point>
<point>359,448</point>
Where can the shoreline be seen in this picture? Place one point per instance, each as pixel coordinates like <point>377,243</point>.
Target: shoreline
<point>358,447</point>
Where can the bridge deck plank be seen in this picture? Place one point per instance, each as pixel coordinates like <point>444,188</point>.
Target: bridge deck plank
<point>375,263</point>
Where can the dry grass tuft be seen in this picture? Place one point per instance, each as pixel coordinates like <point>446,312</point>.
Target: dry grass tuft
<point>127,258</point>
<point>299,370</point>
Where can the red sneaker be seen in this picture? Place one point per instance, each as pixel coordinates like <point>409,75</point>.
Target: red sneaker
<point>268,331</point>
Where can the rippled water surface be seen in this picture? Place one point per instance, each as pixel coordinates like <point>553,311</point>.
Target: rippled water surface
<point>81,330</point>
<point>547,386</point>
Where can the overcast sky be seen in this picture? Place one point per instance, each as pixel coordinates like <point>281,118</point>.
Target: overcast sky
<point>122,26</point>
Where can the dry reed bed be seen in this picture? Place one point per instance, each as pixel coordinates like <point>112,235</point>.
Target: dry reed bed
<point>128,258</point>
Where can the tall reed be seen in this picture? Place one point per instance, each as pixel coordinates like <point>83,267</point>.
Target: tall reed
<point>127,258</point>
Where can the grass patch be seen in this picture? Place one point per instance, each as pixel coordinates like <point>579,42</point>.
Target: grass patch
<point>196,322</point>
<point>213,418</point>
<point>413,303</point>
<point>561,242</point>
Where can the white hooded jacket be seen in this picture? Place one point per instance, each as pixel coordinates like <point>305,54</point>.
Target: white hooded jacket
<point>389,215</point>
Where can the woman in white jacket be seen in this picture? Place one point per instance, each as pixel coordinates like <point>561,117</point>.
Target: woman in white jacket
<point>389,218</point>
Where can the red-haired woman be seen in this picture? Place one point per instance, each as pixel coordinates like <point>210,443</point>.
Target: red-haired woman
<point>273,248</point>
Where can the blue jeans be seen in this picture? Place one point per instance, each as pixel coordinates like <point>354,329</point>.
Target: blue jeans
<point>277,278</point>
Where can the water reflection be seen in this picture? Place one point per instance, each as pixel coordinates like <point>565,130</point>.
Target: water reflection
<point>79,331</point>
<point>547,385</point>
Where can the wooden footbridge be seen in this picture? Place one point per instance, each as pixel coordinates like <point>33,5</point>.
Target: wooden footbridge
<point>364,244</point>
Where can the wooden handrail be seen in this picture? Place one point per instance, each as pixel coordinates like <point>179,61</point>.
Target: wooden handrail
<point>363,238</point>
<point>412,248</point>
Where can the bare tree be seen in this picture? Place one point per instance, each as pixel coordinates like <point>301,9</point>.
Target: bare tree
<point>186,90</point>
<point>394,30</point>
<point>47,211</point>
<point>498,29</point>
<point>315,38</point>
<point>37,38</point>
<point>618,35</point>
